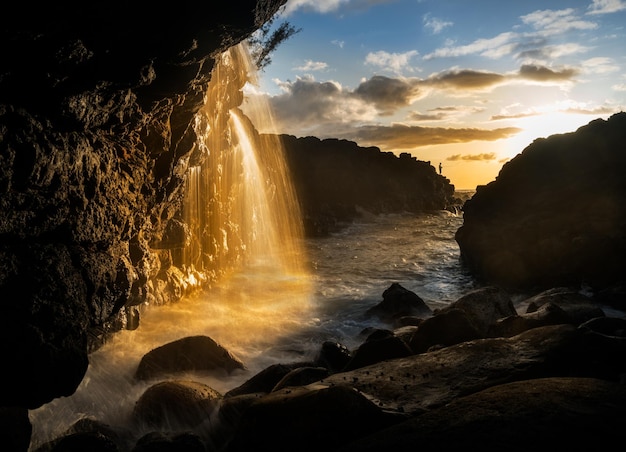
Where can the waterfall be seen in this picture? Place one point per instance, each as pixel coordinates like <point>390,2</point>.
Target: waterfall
<point>240,205</point>
<point>247,241</point>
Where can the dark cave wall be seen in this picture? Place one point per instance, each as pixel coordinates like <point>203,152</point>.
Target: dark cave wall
<point>97,104</point>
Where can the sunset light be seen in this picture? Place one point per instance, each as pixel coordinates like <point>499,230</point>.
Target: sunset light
<point>467,84</point>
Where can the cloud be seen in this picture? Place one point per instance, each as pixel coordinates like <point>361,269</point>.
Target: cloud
<point>543,53</point>
<point>491,48</point>
<point>600,65</point>
<point>606,6</point>
<point>533,44</point>
<point>312,66</point>
<point>597,111</point>
<point>402,137</point>
<point>513,116</point>
<point>309,103</point>
<point>395,62</point>
<point>388,94</point>
<point>553,22</point>
<point>465,79</point>
<point>442,113</point>
<point>434,24</point>
<point>487,156</point>
<point>338,43</point>
<point>327,6</point>
<point>544,74</point>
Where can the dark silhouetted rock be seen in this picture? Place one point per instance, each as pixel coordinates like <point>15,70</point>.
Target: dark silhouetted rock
<point>578,307</point>
<point>162,442</point>
<point>399,302</point>
<point>446,328</point>
<point>333,355</point>
<point>15,429</point>
<point>302,376</point>
<point>307,419</point>
<point>376,350</point>
<point>483,307</point>
<point>193,353</point>
<point>335,179</point>
<point>263,381</point>
<point>554,216</point>
<point>547,314</point>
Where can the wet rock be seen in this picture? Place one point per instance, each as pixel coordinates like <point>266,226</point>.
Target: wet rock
<point>307,419</point>
<point>427,380</point>
<point>378,349</point>
<point>264,381</point>
<point>483,307</point>
<point>573,413</point>
<point>579,307</point>
<point>302,376</point>
<point>175,404</point>
<point>547,314</point>
<point>399,302</point>
<point>162,442</point>
<point>446,328</point>
<point>193,353</point>
<point>609,326</point>
<point>333,355</point>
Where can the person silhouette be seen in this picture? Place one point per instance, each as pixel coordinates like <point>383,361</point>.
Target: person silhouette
<point>440,168</point>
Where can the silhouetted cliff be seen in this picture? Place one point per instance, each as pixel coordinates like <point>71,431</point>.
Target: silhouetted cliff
<point>336,178</point>
<point>555,214</point>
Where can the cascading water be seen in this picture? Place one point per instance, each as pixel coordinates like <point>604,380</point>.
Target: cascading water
<point>246,240</point>
<point>241,206</point>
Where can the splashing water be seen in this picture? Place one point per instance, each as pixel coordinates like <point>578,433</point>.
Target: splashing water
<point>246,241</point>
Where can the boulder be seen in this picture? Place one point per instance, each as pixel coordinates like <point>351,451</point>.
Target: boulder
<point>333,355</point>
<point>193,353</point>
<point>576,414</point>
<point>483,307</point>
<point>399,302</point>
<point>302,376</point>
<point>307,419</point>
<point>424,381</point>
<point>175,404</point>
<point>264,381</point>
<point>449,327</point>
<point>547,314</point>
<point>578,307</point>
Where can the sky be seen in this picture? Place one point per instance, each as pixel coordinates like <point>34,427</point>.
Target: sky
<point>468,84</point>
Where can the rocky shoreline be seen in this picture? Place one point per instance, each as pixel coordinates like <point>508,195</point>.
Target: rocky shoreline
<point>475,374</point>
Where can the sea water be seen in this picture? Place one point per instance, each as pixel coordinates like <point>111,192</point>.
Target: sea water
<point>264,318</point>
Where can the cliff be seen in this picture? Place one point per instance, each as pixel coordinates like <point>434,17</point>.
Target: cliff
<point>337,179</point>
<point>555,213</point>
<point>97,103</point>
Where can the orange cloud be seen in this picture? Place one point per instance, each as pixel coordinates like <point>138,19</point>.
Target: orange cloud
<point>409,137</point>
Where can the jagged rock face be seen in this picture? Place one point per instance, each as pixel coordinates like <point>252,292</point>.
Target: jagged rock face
<point>335,178</point>
<point>96,111</point>
<point>555,214</point>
